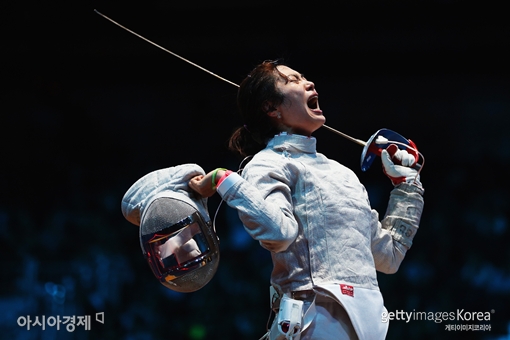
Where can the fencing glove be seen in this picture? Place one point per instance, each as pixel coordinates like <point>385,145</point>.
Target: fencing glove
<point>398,165</point>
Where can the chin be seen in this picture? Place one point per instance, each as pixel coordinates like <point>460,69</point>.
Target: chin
<point>320,121</point>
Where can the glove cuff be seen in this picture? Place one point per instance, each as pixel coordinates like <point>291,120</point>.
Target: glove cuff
<point>400,231</point>
<point>411,187</point>
<point>404,213</point>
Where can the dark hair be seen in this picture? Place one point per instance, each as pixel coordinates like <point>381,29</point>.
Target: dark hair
<point>257,96</point>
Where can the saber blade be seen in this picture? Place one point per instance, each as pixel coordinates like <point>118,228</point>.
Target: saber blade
<point>352,139</point>
<point>357,141</point>
<point>164,49</point>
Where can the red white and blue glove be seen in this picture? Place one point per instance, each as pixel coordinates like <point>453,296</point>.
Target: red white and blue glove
<point>398,165</point>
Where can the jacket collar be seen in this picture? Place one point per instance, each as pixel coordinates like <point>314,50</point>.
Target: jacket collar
<point>287,141</point>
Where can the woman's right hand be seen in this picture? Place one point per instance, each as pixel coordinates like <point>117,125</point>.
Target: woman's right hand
<point>203,184</point>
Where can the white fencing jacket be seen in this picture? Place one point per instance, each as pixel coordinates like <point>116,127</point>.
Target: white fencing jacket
<point>315,218</point>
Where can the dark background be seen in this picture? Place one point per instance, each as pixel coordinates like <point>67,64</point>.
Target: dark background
<point>89,108</point>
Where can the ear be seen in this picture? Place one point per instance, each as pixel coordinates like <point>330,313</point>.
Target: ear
<point>273,113</point>
<point>269,109</point>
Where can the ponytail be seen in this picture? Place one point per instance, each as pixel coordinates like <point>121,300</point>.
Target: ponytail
<point>257,96</point>
<point>245,143</point>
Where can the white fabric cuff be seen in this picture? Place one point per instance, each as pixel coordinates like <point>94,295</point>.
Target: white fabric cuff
<point>228,183</point>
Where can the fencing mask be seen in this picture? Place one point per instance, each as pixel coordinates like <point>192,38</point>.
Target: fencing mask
<point>176,233</point>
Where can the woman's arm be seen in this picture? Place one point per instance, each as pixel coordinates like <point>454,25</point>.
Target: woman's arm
<point>263,201</point>
<point>393,236</point>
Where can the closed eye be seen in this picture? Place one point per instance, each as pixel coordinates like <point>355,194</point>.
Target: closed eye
<point>296,78</point>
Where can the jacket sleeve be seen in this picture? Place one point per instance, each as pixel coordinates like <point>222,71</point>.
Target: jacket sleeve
<point>393,236</point>
<point>264,205</point>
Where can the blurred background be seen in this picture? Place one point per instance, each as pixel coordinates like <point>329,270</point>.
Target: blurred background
<point>89,108</point>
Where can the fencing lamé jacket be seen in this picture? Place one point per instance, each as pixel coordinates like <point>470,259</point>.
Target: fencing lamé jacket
<point>315,218</point>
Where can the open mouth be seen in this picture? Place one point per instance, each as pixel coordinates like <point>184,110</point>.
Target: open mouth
<point>313,103</point>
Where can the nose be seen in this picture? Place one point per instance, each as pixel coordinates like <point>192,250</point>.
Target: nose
<point>309,85</point>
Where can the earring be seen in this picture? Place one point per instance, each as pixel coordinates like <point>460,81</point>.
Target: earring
<point>278,115</point>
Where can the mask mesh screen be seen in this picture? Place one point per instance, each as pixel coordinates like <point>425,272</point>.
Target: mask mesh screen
<point>196,279</point>
<point>164,212</point>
